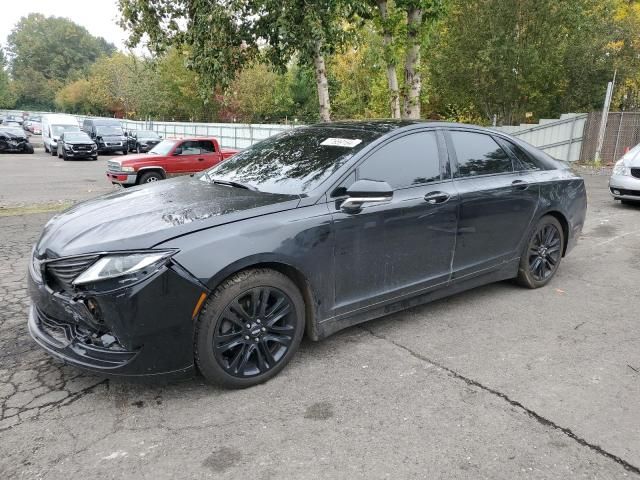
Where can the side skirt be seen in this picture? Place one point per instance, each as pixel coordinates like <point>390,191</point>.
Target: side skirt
<point>332,325</point>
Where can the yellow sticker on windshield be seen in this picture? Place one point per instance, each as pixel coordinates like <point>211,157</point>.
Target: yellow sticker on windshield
<point>341,142</point>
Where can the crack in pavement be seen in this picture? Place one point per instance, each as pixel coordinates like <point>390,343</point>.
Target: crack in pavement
<point>531,413</point>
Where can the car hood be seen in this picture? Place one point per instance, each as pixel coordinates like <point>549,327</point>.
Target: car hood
<point>148,139</point>
<point>632,159</point>
<point>144,216</point>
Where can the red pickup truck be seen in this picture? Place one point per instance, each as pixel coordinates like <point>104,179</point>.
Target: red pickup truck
<point>168,158</point>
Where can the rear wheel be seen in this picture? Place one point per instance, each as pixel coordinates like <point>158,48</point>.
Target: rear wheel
<point>150,177</point>
<point>542,255</point>
<point>249,329</point>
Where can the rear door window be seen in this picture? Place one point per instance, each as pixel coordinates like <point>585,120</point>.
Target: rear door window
<point>479,154</point>
<point>206,146</point>
<point>523,159</point>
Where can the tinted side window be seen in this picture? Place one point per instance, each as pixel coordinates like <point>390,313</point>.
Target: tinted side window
<point>524,159</point>
<point>190,147</point>
<point>206,146</point>
<point>479,154</point>
<point>407,161</point>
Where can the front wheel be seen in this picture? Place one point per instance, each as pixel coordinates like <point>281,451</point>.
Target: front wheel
<point>54,152</point>
<point>249,329</point>
<point>542,255</point>
<point>150,177</point>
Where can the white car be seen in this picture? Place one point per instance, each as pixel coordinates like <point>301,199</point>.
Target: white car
<point>624,183</point>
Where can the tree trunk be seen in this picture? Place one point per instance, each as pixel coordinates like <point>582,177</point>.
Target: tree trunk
<point>389,57</point>
<point>412,83</point>
<point>322,83</point>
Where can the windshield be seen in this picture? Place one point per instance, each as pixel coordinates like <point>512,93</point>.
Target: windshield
<point>293,162</point>
<point>146,134</point>
<point>163,148</point>
<point>77,137</point>
<point>56,130</point>
<point>108,130</point>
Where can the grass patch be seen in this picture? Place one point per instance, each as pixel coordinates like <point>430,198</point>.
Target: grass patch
<point>33,209</point>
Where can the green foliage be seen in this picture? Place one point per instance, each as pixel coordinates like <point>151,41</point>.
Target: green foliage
<point>47,52</point>
<point>509,58</point>
<point>7,95</point>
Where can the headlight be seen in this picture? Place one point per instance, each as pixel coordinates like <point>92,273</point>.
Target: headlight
<point>124,269</point>
<point>67,147</point>
<point>621,169</point>
<point>127,169</point>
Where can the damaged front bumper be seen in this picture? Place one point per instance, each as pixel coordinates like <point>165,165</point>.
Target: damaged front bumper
<point>141,330</point>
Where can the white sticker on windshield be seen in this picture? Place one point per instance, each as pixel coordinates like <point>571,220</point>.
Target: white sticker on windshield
<point>341,142</point>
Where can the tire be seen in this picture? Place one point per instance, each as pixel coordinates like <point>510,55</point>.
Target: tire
<point>59,156</point>
<point>149,177</point>
<point>542,253</point>
<point>53,154</point>
<point>94,158</point>
<point>29,149</point>
<point>64,156</point>
<point>46,150</point>
<point>263,350</point>
<point>630,202</point>
<point>125,151</point>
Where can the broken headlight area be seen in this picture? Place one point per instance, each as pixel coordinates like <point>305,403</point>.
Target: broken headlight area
<point>102,272</point>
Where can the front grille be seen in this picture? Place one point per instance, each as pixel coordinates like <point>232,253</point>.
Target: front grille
<point>60,273</point>
<point>114,144</point>
<point>629,193</point>
<point>82,148</point>
<point>635,172</point>
<point>99,348</point>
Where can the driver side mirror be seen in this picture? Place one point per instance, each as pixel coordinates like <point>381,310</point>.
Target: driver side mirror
<point>178,151</point>
<point>366,191</point>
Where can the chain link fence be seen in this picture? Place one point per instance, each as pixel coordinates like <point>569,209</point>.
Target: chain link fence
<point>622,133</point>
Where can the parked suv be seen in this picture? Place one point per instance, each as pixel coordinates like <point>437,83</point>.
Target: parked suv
<point>107,133</point>
<point>74,145</point>
<point>141,141</point>
<point>169,158</point>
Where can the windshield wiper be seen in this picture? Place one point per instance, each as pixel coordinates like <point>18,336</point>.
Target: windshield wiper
<point>231,183</point>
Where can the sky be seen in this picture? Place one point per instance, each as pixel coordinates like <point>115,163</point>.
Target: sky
<point>97,16</point>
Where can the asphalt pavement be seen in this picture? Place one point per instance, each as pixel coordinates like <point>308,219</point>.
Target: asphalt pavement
<point>499,382</point>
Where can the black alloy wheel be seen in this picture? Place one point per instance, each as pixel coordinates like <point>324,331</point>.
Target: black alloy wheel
<point>543,254</point>
<point>249,329</point>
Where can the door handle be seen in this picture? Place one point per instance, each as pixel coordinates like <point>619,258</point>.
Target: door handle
<point>200,159</point>
<point>519,185</point>
<point>436,197</point>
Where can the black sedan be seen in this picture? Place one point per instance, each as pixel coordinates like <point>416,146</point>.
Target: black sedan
<point>311,231</point>
<point>76,145</point>
<point>141,141</point>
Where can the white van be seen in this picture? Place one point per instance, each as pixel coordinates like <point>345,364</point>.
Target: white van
<point>52,126</point>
